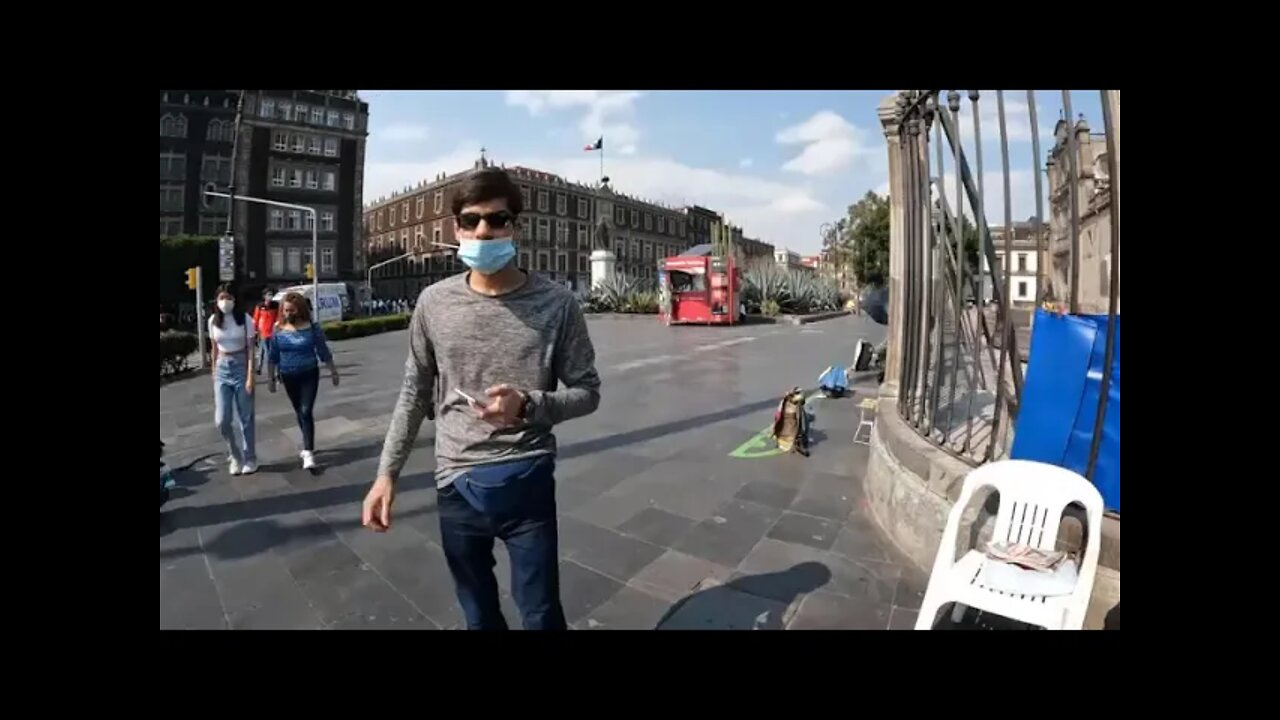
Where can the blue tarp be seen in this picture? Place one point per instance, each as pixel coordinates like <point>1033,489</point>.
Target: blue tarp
<point>1060,399</point>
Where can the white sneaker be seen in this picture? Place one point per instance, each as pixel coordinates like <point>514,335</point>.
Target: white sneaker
<point>308,460</point>
<point>249,468</point>
<point>234,467</point>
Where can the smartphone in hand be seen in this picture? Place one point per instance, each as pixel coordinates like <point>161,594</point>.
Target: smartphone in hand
<point>474,402</point>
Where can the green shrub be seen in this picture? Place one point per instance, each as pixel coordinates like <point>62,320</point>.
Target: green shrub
<point>361,327</point>
<point>623,295</point>
<point>175,347</point>
<point>768,287</point>
<point>770,308</point>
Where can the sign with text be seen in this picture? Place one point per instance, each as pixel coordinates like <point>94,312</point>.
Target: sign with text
<point>226,258</point>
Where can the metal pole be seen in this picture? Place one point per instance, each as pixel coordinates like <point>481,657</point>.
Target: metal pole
<point>1073,179</point>
<point>1112,127</point>
<point>231,186</point>
<point>200,313</point>
<point>1042,250</point>
<point>1007,266</point>
<point>315,260</point>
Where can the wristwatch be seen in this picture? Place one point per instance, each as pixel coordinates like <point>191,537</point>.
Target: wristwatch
<point>524,406</point>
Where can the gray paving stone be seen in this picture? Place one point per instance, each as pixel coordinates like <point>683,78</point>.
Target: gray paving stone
<point>910,592</point>
<point>188,596</point>
<point>629,609</point>
<point>583,590</point>
<point>823,502</point>
<point>902,619</point>
<point>614,507</point>
<point>414,567</point>
<point>355,595</point>
<point>605,551</point>
<point>656,526</point>
<point>729,535</point>
<point>261,595</point>
<point>767,493</point>
<point>824,611</point>
<point>720,607</point>
<point>859,540</point>
<point>877,582</point>
<point>599,472</point>
<point>569,498</point>
<point>805,530</point>
<point>675,575</point>
<point>783,571</point>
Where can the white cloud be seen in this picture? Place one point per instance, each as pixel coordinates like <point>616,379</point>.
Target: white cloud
<point>831,144</point>
<point>605,112</point>
<point>384,178</point>
<point>745,163</point>
<point>882,189</point>
<point>402,132</point>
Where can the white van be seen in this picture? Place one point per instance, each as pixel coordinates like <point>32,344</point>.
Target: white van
<point>334,304</point>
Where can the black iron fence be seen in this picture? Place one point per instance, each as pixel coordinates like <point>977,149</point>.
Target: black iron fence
<point>961,370</point>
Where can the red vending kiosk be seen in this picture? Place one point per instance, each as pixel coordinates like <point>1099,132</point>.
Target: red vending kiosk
<point>699,289</point>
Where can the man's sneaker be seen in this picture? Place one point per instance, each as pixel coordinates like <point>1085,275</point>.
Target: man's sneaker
<point>234,467</point>
<point>308,460</point>
<point>249,468</point>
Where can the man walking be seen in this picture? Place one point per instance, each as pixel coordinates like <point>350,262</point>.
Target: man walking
<point>265,315</point>
<point>497,342</point>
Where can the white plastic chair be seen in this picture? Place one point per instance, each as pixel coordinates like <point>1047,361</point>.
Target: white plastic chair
<point>1032,498</point>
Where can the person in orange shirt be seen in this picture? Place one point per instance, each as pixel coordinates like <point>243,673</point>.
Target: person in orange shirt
<point>265,315</point>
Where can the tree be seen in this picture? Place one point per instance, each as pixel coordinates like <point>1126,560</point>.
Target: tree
<point>865,242</point>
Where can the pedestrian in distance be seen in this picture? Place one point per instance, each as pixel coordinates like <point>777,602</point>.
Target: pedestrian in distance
<point>512,358</point>
<point>296,350</point>
<point>265,315</point>
<point>231,334</point>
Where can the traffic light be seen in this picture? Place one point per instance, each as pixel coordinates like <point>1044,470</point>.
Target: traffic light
<point>310,272</point>
<point>191,278</point>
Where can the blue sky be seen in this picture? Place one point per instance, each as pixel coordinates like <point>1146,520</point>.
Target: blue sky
<point>779,163</point>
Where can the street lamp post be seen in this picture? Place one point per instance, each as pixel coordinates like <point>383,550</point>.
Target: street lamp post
<point>368,279</point>
<point>315,237</point>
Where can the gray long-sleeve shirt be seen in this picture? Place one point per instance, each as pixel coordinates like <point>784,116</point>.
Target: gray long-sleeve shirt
<point>533,338</point>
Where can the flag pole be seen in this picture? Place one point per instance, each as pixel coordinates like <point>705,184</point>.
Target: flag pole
<point>602,160</point>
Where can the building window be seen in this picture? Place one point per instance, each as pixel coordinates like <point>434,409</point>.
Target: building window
<point>331,147</point>
<point>280,140</point>
<point>524,261</point>
<point>404,240</point>
<point>170,226</point>
<point>543,262</point>
<point>295,261</point>
<point>524,194</point>
<point>317,116</point>
<point>326,260</point>
<point>437,235</point>
<point>326,221</point>
<point>635,218</point>
<point>313,181</point>
<point>662,224</point>
<point>543,200</point>
<point>544,231</point>
<point>300,111</point>
<point>277,219</point>
<point>313,145</point>
<point>306,256</point>
<point>299,143</point>
<point>562,234</point>
<point>295,179</point>
<point>379,221</point>
<point>418,235</point>
<point>648,221</point>
<point>562,204</point>
<point>173,126</point>
<point>439,202</point>
<point>173,166</point>
<point>286,112</point>
<point>349,121</point>
<point>583,264</point>
<point>276,262</point>
<point>681,228</point>
<point>171,197</point>
<point>648,250</point>
<point>333,118</point>
<point>267,108</point>
<point>562,262</point>
<point>419,206</point>
<point>278,176</point>
<point>1022,290</point>
<point>524,236</point>
<point>619,216</point>
<point>330,180</point>
<point>635,249</point>
<point>293,220</point>
<point>583,240</point>
<point>1022,262</point>
<point>308,222</point>
<point>404,212</point>
<point>582,207</point>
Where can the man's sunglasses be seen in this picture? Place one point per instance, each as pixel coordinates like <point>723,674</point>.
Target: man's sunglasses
<point>500,220</point>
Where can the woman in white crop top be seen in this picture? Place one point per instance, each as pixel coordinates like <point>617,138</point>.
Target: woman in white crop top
<point>231,333</point>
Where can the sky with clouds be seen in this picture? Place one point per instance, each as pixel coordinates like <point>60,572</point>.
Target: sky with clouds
<point>779,163</point>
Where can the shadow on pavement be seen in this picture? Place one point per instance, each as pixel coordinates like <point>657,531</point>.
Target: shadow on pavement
<point>696,422</point>
<point>751,602</point>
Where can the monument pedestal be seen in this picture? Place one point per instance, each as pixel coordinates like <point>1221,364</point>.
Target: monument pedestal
<point>603,265</point>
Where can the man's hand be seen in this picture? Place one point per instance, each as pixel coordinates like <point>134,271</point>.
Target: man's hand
<point>248,384</point>
<point>334,374</point>
<point>504,406</point>
<point>376,513</point>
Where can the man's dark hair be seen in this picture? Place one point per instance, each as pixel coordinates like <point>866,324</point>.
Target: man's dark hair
<point>485,185</point>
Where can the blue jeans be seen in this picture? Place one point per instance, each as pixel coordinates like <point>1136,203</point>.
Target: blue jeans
<point>532,542</point>
<point>301,389</point>
<point>261,362</point>
<point>231,399</point>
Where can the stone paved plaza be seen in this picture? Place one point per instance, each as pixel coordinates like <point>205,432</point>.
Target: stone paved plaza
<point>659,526</point>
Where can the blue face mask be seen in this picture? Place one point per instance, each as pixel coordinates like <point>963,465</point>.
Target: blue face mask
<point>486,256</point>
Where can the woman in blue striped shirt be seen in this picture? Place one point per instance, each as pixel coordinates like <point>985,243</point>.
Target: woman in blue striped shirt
<point>295,350</point>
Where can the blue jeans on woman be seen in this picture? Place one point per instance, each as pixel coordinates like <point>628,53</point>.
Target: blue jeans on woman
<point>231,399</point>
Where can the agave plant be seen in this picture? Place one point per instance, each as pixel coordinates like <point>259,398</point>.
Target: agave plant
<point>762,283</point>
<point>619,292</point>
